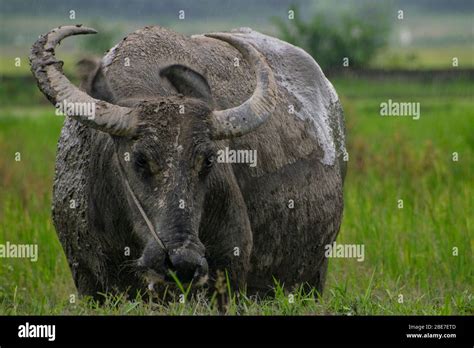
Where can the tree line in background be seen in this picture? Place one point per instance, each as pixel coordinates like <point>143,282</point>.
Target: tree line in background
<point>335,33</point>
<point>338,39</point>
<point>129,9</point>
<point>333,39</point>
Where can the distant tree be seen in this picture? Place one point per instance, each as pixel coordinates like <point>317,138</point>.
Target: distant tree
<point>330,38</point>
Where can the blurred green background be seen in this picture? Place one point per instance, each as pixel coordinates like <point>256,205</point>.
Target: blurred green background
<point>418,259</point>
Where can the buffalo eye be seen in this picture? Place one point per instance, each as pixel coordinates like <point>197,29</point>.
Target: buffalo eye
<point>206,164</point>
<point>209,161</point>
<point>141,163</point>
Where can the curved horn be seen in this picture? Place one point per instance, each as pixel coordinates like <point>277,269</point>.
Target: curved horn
<point>255,111</point>
<point>58,89</point>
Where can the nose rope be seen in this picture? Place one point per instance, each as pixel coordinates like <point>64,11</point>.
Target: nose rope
<point>139,206</point>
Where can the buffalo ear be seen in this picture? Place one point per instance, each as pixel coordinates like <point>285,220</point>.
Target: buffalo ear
<point>188,82</point>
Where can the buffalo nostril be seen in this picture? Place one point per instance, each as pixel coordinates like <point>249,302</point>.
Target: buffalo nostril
<point>189,266</point>
<point>202,269</point>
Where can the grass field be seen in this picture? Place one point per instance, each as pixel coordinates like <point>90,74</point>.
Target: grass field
<point>411,265</point>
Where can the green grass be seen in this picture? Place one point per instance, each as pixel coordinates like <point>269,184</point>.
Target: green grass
<point>408,251</point>
<point>420,57</point>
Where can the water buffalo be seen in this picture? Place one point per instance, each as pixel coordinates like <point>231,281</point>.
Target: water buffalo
<point>139,189</point>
